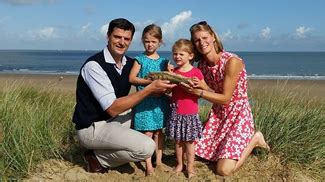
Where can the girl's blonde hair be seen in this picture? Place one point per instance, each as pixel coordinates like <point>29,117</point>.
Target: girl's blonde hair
<point>184,45</point>
<point>153,30</point>
<point>204,26</point>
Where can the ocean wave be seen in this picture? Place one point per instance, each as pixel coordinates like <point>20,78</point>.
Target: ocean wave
<point>286,77</point>
<point>28,71</point>
<point>252,76</point>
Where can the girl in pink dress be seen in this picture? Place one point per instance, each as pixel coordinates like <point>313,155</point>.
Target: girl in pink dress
<point>184,125</point>
<point>228,135</point>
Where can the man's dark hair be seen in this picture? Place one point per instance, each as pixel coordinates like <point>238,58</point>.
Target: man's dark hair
<point>122,24</point>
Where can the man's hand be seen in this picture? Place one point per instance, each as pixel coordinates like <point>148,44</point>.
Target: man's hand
<point>159,86</point>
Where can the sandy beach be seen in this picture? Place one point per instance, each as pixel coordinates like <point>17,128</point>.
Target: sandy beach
<point>67,83</point>
<point>73,169</point>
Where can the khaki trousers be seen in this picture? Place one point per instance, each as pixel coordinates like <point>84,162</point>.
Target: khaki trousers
<point>115,143</point>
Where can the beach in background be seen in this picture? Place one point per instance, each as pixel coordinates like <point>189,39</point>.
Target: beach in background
<point>301,71</point>
<point>259,65</point>
<point>67,83</point>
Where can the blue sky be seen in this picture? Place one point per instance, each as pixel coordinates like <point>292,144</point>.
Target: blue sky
<point>251,25</point>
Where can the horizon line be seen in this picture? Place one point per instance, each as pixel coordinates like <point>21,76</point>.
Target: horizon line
<point>158,51</point>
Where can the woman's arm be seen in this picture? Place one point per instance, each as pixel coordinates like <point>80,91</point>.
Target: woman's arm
<point>233,68</point>
<point>133,75</point>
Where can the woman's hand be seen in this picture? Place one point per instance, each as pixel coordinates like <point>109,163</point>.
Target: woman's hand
<point>196,83</point>
<point>190,89</point>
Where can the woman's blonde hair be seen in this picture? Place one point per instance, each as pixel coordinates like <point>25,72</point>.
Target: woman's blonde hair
<point>204,26</point>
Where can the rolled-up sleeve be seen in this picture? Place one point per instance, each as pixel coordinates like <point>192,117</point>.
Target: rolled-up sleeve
<point>99,83</point>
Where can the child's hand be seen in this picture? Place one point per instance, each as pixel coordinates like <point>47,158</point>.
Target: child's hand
<point>170,67</point>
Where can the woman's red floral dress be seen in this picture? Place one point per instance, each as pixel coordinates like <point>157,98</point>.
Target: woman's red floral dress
<point>229,127</point>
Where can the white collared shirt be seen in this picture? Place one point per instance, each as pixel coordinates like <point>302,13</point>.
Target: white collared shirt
<point>98,81</point>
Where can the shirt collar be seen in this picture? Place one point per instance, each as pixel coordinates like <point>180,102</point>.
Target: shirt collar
<point>109,59</point>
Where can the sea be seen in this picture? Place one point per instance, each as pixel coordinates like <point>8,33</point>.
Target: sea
<point>259,65</point>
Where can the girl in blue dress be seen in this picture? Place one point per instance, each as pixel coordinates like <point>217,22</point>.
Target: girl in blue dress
<point>150,114</point>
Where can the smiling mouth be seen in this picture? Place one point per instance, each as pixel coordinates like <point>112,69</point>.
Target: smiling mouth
<point>120,47</point>
<point>204,46</point>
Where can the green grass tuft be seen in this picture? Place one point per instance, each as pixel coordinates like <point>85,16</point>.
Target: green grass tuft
<point>293,125</point>
<point>35,124</point>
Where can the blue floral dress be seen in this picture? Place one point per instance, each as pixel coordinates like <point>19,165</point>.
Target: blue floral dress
<point>151,114</point>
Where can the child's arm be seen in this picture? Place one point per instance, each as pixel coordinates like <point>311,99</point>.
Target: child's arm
<point>133,75</point>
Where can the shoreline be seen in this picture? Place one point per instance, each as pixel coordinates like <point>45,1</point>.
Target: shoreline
<point>252,77</point>
<point>67,83</point>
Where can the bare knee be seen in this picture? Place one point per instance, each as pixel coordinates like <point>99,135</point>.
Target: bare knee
<point>226,167</point>
<point>225,171</point>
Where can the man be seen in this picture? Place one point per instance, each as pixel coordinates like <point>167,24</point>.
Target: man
<point>102,114</point>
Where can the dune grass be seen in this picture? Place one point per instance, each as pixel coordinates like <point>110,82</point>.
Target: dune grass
<point>35,125</point>
<point>293,125</point>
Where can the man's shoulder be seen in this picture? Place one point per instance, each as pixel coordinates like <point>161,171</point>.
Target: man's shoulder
<point>129,60</point>
<point>95,56</point>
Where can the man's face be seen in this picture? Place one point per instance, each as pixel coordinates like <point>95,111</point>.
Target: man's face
<point>119,41</point>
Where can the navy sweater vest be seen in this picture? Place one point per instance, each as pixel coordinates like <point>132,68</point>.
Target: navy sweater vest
<point>88,109</point>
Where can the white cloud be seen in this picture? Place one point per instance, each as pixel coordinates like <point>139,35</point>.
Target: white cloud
<point>44,33</point>
<point>227,36</point>
<point>85,28</point>
<point>103,29</point>
<point>169,28</point>
<point>265,33</point>
<point>27,2</point>
<point>302,31</point>
<point>139,26</point>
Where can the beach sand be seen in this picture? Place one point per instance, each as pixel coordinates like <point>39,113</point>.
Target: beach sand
<point>67,83</point>
<point>269,169</point>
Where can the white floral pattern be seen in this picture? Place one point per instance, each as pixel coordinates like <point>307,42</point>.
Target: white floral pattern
<point>229,127</point>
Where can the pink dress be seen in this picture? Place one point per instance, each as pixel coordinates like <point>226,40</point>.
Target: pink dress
<point>229,127</point>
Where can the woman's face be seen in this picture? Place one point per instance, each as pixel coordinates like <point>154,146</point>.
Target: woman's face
<point>204,42</point>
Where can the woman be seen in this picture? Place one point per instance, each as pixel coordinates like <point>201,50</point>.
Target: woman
<point>228,135</point>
